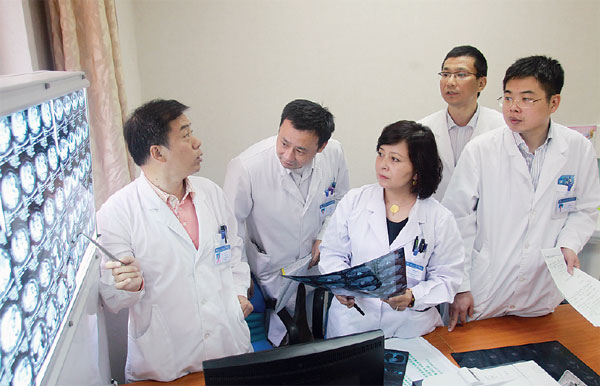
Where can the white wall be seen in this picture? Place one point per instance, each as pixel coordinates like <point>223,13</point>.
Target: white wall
<point>238,62</point>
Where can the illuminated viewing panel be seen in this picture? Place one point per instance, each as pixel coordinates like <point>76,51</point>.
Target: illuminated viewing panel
<point>46,202</point>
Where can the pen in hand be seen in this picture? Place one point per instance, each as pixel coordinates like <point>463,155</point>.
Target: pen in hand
<point>356,306</point>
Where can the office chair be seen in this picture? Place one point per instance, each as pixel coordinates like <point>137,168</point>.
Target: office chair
<point>296,326</point>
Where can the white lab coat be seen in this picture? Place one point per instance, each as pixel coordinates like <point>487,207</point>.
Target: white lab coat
<point>358,233</point>
<point>512,223</point>
<point>280,226</point>
<point>488,119</point>
<point>188,311</point>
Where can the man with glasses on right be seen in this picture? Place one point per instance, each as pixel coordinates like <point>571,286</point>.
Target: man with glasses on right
<point>529,185</point>
<point>462,79</point>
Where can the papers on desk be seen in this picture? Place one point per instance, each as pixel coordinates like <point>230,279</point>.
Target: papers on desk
<point>581,290</point>
<point>424,360</point>
<point>517,374</point>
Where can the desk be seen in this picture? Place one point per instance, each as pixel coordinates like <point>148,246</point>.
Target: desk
<point>565,325</point>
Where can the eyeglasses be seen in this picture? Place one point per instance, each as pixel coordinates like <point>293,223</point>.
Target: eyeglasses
<point>523,103</point>
<point>460,75</point>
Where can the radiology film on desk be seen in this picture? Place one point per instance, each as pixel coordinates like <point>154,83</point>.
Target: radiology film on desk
<point>47,200</point>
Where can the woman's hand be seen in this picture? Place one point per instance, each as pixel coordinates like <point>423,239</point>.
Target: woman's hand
<point>400,302</point>
<point>348,301</point>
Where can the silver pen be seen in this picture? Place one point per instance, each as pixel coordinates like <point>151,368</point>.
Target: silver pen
<point>100,247</point>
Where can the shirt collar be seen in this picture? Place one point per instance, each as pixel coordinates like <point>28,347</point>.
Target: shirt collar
<point>472,122</point>
<point>523,146</point>
<point>170,199</point>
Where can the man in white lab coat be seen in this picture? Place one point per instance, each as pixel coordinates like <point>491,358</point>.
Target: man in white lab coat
<point>462,79</point>
<point>530,185</point>
<point>284,190</point>
<point>181,274</point>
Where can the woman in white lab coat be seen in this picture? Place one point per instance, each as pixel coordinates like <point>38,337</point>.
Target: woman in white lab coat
<point>375,219</point>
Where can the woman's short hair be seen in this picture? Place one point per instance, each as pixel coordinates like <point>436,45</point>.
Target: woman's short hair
<point>422,151</point>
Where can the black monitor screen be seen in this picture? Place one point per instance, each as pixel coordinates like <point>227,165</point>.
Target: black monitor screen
<point>349,360</point>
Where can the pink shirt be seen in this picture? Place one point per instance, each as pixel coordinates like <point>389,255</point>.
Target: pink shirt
<point>184,210</point>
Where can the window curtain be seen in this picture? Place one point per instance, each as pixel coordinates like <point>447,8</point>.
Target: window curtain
<point>85,38</point>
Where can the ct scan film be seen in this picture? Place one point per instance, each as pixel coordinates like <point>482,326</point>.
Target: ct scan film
<point>47,201</point>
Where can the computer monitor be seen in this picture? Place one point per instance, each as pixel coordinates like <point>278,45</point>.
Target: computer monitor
<point>349,360</point>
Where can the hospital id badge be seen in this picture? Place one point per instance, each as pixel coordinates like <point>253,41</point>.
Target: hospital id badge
<point>566,202</point>
<point>222,254</point>
<point>327,208</point>
<point>414,271</point>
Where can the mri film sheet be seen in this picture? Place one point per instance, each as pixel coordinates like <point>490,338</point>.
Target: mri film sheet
<point>381,278</point>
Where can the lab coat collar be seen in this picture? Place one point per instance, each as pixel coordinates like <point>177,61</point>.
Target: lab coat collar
<point>288,184</point>
<point>159,210</point>
<point>377,220</point>
<point>555,159</point>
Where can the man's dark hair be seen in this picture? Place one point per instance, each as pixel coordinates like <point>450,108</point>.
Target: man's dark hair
<point>472,52</point>
<point>422,151</point>
<point>547,71</point>
<point>311,116</point>
<point>148,125</point>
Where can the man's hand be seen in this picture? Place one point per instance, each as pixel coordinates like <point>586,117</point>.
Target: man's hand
<point>316,254</point>
<point>463,305</point>
<point>348,301</point>
<point>246,305</point>
<point>128,276</point>
<point>571,259</point>
<point>400,302</point>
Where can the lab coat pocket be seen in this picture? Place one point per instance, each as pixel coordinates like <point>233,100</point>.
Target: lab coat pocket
<point>565,202</point>
<point>481,275</point>
<point>151,354</point>
<point>260,263</point>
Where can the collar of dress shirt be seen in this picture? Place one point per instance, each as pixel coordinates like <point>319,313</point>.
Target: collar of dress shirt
<point>472,122</point>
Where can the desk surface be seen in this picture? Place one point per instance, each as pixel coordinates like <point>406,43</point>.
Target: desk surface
<point>565,325</point>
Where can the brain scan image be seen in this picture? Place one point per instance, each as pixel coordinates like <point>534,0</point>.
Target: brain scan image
<point>86,129</point>
<point>55,254</point>
<point>4,135</point>
<point>38,341</point>
<point>11,327</point>
<point>51,316</point>
<point>72,142</point>
<point>19,245</point>
<point>60,200</point>
<point>30,296</point>
<point>52,158</point>
<point>18,127</point>
<point>71,276</point>
<point>5,269</point>
<point>23,373</point>
<point>67,105</point>
<point>74,101</point>
<point>58,109</point>
<point>45,273</point>
<point>81,99</point>
<point>63,149</point>
<point>36,227</point>
<point>33,119</point>
<point>49,211</point>
<point>68,186</point>
<point>46,114</point>
<point>11,193</point>
<point>62,294</point>
<point>27,174</point>
<point>41,166</point>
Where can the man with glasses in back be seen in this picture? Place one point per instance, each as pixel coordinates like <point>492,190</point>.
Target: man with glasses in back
<point>463,77</point>
<point>529,185</point>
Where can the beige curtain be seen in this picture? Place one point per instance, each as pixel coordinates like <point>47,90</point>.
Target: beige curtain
<point>85,38</point>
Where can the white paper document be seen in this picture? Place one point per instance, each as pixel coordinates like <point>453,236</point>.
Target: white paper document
<point>289,287</point>
<point>424,360</point>
<point>517,374</point>
<point>580,289</point>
